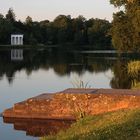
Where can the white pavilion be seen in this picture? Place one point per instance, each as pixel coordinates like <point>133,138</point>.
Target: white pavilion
<point>17,39</point>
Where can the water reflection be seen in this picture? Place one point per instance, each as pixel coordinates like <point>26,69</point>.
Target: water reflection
<point>16,54</point>
<point>126,74</point>
<point>63,63</point>
<point>134,73</point>
<point>52,71</point>
<point>39,128</point>
<point>121,79</point>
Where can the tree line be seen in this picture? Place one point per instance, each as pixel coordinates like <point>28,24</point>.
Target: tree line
<point>123,33</point>
<point>62,30</point>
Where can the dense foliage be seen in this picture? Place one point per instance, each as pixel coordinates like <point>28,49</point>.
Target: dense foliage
<point>63,30</point>
<point>125,29</point>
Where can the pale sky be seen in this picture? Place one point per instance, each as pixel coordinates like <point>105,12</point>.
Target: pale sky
<point>49,9</point>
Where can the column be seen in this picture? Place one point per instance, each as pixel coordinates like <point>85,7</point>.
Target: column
<point>22,40</point>
<point>14,40</point>
<point>18,40</point>
<point>21,54</point>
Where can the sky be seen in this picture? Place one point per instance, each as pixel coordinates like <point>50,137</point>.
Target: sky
<point>49,9</point>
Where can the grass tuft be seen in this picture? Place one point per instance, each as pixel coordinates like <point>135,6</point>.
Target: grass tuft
<point>78,83</point>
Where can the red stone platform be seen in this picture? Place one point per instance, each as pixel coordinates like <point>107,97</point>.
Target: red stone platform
<point>71,103</point>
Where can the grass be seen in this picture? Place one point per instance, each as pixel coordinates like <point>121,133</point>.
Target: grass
<point>134,68</point>
<point>137,86</point>
<point>78,83</point>
<point>119,125</point>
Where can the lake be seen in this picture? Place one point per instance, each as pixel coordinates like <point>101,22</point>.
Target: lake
<point>30,72</point>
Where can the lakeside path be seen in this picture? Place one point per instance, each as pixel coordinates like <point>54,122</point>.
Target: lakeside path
<point>72,103</point>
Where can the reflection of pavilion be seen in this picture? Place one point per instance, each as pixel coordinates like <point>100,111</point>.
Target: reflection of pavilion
<point>17,54</point>
<point>39,128</point>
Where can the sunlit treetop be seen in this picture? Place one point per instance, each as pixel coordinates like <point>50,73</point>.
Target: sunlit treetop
<point>119,3</point>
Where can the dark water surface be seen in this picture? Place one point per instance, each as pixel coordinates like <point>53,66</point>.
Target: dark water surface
<point>24,74</point>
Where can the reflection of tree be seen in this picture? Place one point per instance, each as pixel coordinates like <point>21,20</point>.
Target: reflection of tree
<point>134,73</point>
<point>120,79</point>
<point>126,74</point>
<point>60,69</point>
<point>63,63</point>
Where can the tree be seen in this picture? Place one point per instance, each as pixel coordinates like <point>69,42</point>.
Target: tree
<point>79,30</point>
<point>50,34</point>
<point>32,40</point>
<point>6,28</point>
<point>62,25</point>
<point>98,34</point>
<point>1,16</point>
<point>122,32</point>
<point>28,20</point>
<point>10,16</point>
<point>125,29</point>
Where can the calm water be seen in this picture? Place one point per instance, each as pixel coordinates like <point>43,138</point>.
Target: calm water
<point>24,74</point>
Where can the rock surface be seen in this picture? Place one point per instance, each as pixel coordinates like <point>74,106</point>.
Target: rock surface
<point>72,103</point>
